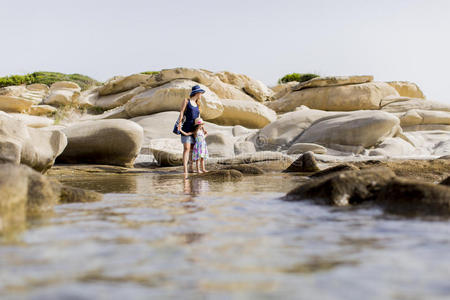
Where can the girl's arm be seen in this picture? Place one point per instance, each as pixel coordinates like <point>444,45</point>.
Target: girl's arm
<point>204,131</point>
<point>182,109</point>
<point>186,133</point>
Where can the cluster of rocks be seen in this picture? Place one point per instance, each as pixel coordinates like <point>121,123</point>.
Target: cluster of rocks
<point>353,185</point>
<point>331,116</point>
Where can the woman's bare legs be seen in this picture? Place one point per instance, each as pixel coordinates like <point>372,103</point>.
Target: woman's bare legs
<point>191,167</point>
<point>186,157</point>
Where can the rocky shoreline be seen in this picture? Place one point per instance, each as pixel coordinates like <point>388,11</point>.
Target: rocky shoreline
<point>350,139</point>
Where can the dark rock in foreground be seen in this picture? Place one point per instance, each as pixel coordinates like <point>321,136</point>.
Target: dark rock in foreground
<point>413,198</point>
<point>333,170</point>
<point>25,192</point>
<point>446,181</point>
<point>305,163</point>
<point>343,188</point>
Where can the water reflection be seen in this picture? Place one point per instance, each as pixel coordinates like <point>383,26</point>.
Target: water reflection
<point>195,186</point>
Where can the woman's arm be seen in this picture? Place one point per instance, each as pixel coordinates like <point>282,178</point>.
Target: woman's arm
<point>182,109</point>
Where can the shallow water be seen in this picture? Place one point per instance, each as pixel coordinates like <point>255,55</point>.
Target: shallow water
<point>155,235</point>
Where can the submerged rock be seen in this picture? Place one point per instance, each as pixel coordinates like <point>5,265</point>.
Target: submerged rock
<point>304,163</point>
<point>246,169</point>
<point>219,175</point>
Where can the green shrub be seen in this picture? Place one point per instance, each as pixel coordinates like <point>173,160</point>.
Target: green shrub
<point>150,72</point>
<point>297,77</point>
<point>48,78</point>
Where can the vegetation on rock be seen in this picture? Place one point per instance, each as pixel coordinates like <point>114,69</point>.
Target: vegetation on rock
<point>150,72</point>
<point>48,78</point>
<point>297,77</point>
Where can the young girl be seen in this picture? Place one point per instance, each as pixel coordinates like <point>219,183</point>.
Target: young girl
<point>200,151</point>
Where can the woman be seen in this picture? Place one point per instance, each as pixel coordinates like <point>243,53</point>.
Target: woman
<point>191,110</point>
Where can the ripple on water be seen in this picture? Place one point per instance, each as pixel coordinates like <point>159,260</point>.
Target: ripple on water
<point>156,235</point>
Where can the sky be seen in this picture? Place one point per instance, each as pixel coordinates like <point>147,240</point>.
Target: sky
<point>392,40</point>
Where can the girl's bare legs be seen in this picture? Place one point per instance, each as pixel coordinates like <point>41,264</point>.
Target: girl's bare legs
<point>202,160</point>
<point>197,164</point>
<point>186,157</point>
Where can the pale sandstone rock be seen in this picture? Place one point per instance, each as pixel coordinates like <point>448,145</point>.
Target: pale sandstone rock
<point>167,152</point>
<point>281,133</point>
<point>221,89</point>
<point>404,104</point>
<point>426,127</point>
<point>243,147</point>
<point>40,110</point>
<point>220,144</point>
<point>422,117</point>
<point>15,104</point>
<point>407,89</point>
<point>33,147</point>
<point>114,100</point>
<point>333,81</point>
<point>114,142</point>
<point>358,128</point>
<point>122,83</point>
<point>250,114</point>
<point>33,92</point>
<point>336,98</point>
<point>63,93</point>
<point>299,148</point>
<point>283,89</point>
<point>169,97</point>
<point>33,121</point>
<point>253,87</point>
<point>393,146</point>
<point>429,142</point>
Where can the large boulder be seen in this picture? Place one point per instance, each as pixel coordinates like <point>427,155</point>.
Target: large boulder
<point>407,89</point>
<point>63,93</point>
<point>434,142</point>
<point>113,142</point>
<point>15,104</point>
<point>122,83</point>
<point>169,97</point>
<point>394,146</point>
<point>281,133</point>
<point>32,92</point>
<point>403,104</point>
<point>221,89</point>
<point>359,128</point>
<point>336,98</point>
<point>220,144</point>
<point>332,81</point>
<point>253,87</point>
<point>250,114</point>
<point>158,125</point>
<point>33,147</point>
<point>114,100</point>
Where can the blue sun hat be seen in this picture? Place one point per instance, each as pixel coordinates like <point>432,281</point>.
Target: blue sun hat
<point>196,89</point>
